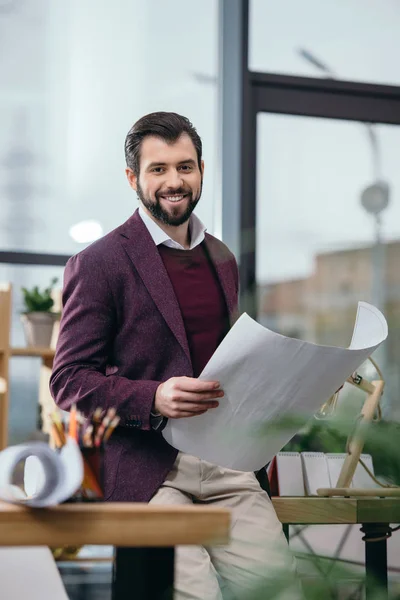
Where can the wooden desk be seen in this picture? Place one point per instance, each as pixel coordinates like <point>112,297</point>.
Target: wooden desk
<point>374,514</point>
<point>144,537</point>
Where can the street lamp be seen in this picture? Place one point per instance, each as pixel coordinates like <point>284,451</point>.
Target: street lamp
<point>374,200</point>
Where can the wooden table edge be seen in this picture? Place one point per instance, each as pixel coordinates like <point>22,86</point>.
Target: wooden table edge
<point>117,524</point>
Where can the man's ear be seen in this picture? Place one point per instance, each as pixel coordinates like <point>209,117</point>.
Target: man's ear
<point>202,168</point>
<point>131,178</point>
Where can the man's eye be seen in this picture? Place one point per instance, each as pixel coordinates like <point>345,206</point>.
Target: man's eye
<point>157,170</point>
<point>185,168</point>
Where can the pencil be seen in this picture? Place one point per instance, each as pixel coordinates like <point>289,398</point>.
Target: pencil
<point>80,421</point>
<point>55,434</point>
<point>87,436</point>
<point>111,428</point>
<point>56,420</point>
<point>100,432</point>
<point>104,424</point>
<point>96,417</point>
<point>96,420</point>
<point>73,429</point>
<point>90,482</point>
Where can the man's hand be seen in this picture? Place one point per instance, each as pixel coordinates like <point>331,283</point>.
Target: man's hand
<point>180,397</point>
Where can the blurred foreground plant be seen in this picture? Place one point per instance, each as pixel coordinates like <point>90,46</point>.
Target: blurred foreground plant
<point>326,586</point>
<point>330,435</point>
<point>381,439</point>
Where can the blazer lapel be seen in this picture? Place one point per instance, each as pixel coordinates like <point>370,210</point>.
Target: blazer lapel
<point>224,269</point>
<point>143,252</point>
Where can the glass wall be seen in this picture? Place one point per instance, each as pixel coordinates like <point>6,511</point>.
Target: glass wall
<point>315,241</point>
<point>75,77</point>
<point>346,39</point>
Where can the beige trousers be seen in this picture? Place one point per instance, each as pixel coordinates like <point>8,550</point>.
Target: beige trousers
<point>258,556</point>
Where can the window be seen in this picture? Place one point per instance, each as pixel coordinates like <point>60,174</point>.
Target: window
<point>72,86</point>
<point>311,227</point>
<point>355,39</point>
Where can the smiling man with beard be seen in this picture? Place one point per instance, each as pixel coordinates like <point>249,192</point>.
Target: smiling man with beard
<point>144,309</point>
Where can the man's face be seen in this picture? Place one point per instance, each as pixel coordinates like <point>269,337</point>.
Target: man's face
<point>170,181</point>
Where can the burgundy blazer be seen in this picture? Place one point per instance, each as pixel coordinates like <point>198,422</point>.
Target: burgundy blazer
<point>121,335</point>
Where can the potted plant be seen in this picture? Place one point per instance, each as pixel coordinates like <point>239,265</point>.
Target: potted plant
<point>38,319</point>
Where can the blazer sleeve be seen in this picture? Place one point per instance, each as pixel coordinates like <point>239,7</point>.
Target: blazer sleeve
<point>88,322</point>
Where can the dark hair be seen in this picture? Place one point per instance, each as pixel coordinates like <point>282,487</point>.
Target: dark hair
<point>168,126</point>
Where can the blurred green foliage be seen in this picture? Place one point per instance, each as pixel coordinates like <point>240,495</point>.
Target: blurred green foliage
<point>382,441</point>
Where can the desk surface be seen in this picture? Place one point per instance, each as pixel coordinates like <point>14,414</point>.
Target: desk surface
<point>129,524</point>
<point>337,510</point>
<point>117,524</point>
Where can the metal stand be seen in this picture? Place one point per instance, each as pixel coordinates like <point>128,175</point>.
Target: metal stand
<point>375,537</point>
<point>143,574</point>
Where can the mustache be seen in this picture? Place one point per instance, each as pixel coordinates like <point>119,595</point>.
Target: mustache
<point>171,191</point>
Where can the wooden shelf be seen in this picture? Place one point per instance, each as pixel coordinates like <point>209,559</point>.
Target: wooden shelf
<point>33,351</point>
<point>45,354</point>
<point>5,328</point>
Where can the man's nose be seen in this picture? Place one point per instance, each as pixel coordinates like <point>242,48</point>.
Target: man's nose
<point>174,179</point>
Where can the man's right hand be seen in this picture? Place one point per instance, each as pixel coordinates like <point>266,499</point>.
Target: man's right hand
<point>180,397</point>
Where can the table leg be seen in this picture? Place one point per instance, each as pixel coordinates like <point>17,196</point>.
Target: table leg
<point>143,574</point>
<point>376,559</point>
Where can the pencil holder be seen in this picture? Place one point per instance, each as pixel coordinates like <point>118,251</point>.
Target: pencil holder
<point>92,489</point>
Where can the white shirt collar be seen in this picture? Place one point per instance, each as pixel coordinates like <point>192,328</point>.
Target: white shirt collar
<point>197,232</point>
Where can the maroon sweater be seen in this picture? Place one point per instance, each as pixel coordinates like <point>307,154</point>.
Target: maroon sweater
<point>200,298</point>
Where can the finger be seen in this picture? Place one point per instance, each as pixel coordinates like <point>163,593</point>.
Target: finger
<point>190,384</point>
<point>195,408</point>
<point>185,414</point>
<point>198,396</point>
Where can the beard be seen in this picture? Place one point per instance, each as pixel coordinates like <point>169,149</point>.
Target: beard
<point>173,217</point>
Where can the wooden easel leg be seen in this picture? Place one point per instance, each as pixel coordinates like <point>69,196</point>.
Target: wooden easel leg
<point>375,559</point>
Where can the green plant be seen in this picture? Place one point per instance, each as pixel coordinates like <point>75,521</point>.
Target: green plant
<point>37,300</point>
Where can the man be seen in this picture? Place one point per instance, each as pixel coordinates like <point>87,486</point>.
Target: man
<point>145,307</point>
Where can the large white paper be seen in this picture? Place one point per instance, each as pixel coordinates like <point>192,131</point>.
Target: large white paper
<point>266,376</point>
<point>50,477</point>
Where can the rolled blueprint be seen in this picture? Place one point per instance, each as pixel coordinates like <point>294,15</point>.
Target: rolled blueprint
<point>267,376</point>
<point>50,477</point>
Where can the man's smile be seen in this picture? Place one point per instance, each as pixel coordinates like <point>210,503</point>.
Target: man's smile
<point>174,198</point>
